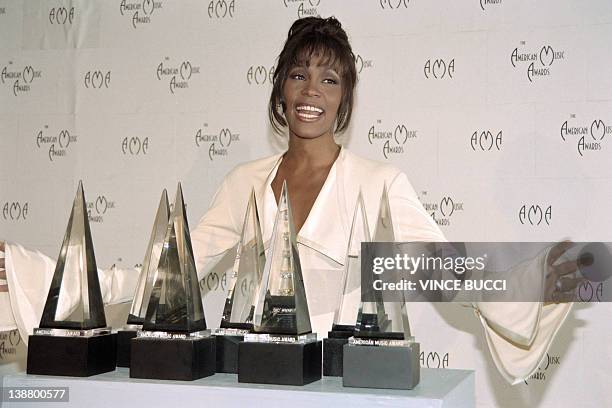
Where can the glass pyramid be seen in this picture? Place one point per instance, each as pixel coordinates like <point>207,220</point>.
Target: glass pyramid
<point>350,296</point>
<point>281,306</point>
<point>176,303</point>
<point>150,263</point>
<point>380,319</point>
<point>74,300</point>
<point>247,272</point>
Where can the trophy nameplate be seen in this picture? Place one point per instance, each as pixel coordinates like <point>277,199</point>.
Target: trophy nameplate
<point>174,343</point>
<point>73,339</point>
<point>282,349</point>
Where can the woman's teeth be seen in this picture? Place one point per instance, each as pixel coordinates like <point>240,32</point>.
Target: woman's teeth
<point>308,112</point>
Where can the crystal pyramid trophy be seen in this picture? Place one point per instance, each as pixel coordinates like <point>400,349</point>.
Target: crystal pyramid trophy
<point>174,343</point>
<point>146,280</point>
<point>237,319</point>
<point>349,300</point>
<point>73,338</point>
<point>382,342</point>
<point>283,349</point>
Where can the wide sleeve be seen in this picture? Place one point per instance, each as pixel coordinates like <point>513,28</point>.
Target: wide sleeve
<point>518,334</point>
<point>29,275</point>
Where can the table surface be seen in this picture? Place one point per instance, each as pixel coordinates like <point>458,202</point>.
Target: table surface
<point>438,387</point>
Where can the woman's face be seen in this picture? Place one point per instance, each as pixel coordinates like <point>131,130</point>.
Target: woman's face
<point>312,96</point>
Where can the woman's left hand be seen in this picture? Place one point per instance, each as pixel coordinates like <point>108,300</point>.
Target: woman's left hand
<point>561,284</point>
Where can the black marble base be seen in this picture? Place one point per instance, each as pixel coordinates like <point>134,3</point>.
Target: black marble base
<point>381,367</point>
<point>124,347</point>
<point>71,356</point>
<point>227,353</point>
<point>285,364</point>
<point>172,359</point>
<point>333,356</point>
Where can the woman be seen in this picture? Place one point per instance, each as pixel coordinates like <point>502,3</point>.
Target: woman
<point>312,96</point>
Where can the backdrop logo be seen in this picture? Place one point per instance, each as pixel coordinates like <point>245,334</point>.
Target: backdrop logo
<point>305,8</point>
<point>2,11</point>
<point>391,140</point>
<point>590,291</point>
<point>56,144</point>
<point>544,368</point>
<point>218,143</point>
<point>485,141</point>
<point>589,137</point>
<point>139,11</point>
<point>486,3</point>
<point>443,210</point>
<point>535,214</point>
<point>393,4</point>
<point>439,68</point>
<point>212,282</point>
<point>15,211</point>
<point>259,75</point>
<point>21,79</point>
<point>61,15</point>
<point>433,359</point>
<point>97,79</point>
<point>178,76</point>
<point>538,61</point>
<point>135,146</point>
<point>221,8</point>
<point>361,63</point>
<point>97,209</point>
<point>8,343</point>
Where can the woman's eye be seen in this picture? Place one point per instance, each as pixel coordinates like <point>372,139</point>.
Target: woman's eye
<point>330,81</point>
<point>298,76</point>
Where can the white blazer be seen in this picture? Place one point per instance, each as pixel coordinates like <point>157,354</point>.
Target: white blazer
<point>518,334</point>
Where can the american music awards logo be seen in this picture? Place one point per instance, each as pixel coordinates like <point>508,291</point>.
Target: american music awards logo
<point>591,292</point>
<point>433,359</point>
<point>439,68</point>
<point>178,76</point>
<point>546,367</point>
<point>56,144</point>
<point>221,8</point>
<point>485,140</point>
<point>2,11</point>
<point>535,214</point>
<point>15,210</point>
<point>135,146</point>
<point>538,61</point>
<point>260,75</point>
<point>98,208</point>
<point>61,15</point>
<point>442,210</point>
<point>393,4</point>
<point>484,4</point>
<point>589,137</point>
<point>361,63</point>
<point>8,343</point>
<point>218,142</point>
<point>391,140</point>
<point>140,12</point>
<point>97,79</point>
<point>20,79</point>
<point>305,8</point>
<point>212,282</point>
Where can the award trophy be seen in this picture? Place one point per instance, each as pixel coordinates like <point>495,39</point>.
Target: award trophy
<point>350,296</point>
<point>73,339</point>
<point>239,306</point>
<point>283,349</point>
<point>174,343</point>
<point>382,353</point>
<point>145,283</point>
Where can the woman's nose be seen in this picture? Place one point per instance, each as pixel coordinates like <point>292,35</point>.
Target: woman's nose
<point>310,89</point>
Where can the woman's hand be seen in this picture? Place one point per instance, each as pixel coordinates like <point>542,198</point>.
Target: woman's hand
<point>3,284</point>
<point>561,283</point>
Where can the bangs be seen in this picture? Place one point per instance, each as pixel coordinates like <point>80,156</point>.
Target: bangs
<point>328,52</point>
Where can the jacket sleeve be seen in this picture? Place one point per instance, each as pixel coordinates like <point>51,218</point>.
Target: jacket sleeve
<point>518,334</point>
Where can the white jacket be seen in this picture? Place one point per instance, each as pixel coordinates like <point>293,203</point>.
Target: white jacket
<point>518,334</point>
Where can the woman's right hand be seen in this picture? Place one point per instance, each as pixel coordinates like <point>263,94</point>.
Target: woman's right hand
<point>3,284</point>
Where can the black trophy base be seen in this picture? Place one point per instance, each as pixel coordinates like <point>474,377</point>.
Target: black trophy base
<point>381,367</point>
<point>72,356</point>
<point>172,359</point>
<point>332,349</point>
<point>124,347</point>
<point>274,363</point>
<point>227,353</point>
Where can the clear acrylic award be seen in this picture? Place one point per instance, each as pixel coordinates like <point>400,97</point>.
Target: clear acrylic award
<point>73,338</point>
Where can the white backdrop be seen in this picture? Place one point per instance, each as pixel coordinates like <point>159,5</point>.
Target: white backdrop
<point>498,110</point>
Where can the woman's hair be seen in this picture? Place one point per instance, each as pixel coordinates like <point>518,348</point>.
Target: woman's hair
<point>309,37</point>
